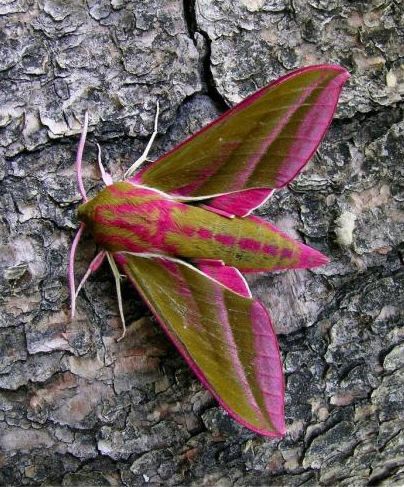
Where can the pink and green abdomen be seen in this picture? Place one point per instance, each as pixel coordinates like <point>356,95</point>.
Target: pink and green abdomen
<point>131,218</point>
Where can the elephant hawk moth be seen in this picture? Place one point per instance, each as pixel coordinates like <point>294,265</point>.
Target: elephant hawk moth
<point>181,230</point>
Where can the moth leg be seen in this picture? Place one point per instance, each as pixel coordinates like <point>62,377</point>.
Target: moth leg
<point>70,270</point>
<point>143,157</point>
<point>106,177</point>
<point>93,267</point>
<point>117,277</point>
<point>79,158</point>
<point>73,248</point>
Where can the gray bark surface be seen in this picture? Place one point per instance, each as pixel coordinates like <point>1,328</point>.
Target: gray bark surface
<point>77,408</point>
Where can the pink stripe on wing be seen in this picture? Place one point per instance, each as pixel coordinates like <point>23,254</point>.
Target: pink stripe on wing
<point>232,349</point>
<point>268,366</point>
<point>311,130</point>
<point>255,159</point>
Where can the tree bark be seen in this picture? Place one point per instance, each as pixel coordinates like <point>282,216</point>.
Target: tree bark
<point>78,408</point>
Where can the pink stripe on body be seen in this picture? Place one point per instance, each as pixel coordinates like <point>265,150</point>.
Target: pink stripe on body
<point>224,239</point>
<point>153,232</point>
<point>108,242</point>
<point>204,233</point>
<point>249,245</point>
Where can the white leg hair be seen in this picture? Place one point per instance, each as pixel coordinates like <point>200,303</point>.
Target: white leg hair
<point>94,266</point>
<point>106,177</point>
<point>143,157</point>
<point>117,277</point>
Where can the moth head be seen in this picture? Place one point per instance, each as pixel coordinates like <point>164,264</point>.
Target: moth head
<point>90,212</point>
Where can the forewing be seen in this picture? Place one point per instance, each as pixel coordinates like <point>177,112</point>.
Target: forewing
<point>226,338</point>
<point>261,143</point>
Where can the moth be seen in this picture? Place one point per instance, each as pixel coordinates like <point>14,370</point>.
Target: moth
<point>181,230</point>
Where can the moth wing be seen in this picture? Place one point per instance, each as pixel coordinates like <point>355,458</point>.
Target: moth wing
<point>229,276</point>
<point>261,143</point>
<point>240,203</point>
<point>226,338</point>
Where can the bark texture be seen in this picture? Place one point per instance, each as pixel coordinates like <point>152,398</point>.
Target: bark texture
<point>77,408</point>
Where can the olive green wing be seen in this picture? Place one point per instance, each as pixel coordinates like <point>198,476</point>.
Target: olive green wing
<point>263,142</point>
<point>226,337</point>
